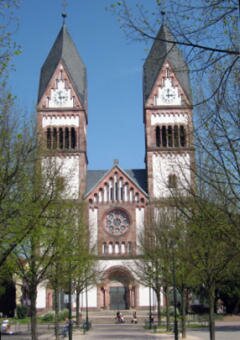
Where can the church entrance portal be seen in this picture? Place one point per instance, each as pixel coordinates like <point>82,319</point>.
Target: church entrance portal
<point>118,298</point>
<point>118,290</point>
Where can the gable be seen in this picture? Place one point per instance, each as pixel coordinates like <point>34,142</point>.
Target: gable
<point>60,92</point>
<point>116,185</point>
<point>167,84</point>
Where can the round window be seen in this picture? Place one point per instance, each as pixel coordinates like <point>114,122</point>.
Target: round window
<point>116,222</point>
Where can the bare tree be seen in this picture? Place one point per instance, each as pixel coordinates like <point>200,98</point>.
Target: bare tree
<point>207,32</point>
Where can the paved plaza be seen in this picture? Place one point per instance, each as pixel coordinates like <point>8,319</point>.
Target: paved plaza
<point>229,331</point>
<point>225,331</point>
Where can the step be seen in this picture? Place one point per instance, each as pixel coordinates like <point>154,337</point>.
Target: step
<point>109,316</point>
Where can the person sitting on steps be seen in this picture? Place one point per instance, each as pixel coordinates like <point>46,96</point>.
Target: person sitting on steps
<point>119,317</point>
<point>134,317</point>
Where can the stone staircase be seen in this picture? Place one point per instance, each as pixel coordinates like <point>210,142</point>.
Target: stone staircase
<point>108,316</point>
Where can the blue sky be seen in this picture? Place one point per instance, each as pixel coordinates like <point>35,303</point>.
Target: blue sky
<point>114,66</point>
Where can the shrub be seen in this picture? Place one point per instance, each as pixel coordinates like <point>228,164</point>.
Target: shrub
<point>63,314</point>
<point>48,317</point>
<point>199,309</point>
<point>171,311</point>
<point>21,311</point>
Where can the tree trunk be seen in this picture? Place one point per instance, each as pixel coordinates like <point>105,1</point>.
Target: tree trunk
<point>56,310</point>
<point>78,318</point>
<point>33,311</point>
<point>211,301</point>
<point>158,295</point>
<point>183,316</point>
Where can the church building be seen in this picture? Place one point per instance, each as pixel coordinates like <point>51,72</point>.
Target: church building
<point>118,199</point>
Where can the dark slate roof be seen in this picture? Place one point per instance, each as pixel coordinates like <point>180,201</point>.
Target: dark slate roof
<point>93,177</point>
<point>64,49</point>
<point>139,176</point>
<point>160,51</point>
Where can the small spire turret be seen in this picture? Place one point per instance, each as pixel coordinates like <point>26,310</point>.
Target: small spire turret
<point>64,10</point>
<point>163,16</point>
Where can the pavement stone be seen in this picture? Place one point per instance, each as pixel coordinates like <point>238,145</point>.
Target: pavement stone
<point>225,330</point>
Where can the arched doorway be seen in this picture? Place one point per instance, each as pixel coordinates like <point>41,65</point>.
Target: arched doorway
<point>118,290</point>
<point>118,296</point>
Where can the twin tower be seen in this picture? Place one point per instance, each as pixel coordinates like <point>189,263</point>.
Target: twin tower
<point>118,199</point>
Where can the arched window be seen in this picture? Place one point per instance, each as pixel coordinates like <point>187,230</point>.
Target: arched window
<point>54,138</point>
<point>129,247</point>
<point>172,181</point>
<point>182,136</point>
<point>61,138</point>
<point>110,248</point>
<point>123,248</point>
<point>116,191</point>
<point>121,189</point>
<point>169,131</point>
<point>73,138</point>
<point>176,136</point>
<point>95,197</point>
<point>104,248</point>
<point>49,138</point>
<point>111,193</point>
<point>117,248</point>
<point>158,140</point>
<point>164,136</point>
<point>66,138</point>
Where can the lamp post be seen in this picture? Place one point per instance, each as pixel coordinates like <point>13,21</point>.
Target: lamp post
<point>70,307</point>
<point>87,322</point>
<point>175,299</point>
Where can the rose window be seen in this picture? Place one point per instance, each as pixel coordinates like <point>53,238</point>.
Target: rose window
<point>116,222</point>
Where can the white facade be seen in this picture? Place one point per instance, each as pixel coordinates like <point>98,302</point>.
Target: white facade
<point>169,117</point>
<point>93,226</point>
<point>147,295</point>
<point>60,121</point>
<point>67,168</point>
<point>140,212</point>
<point>168,164</point>
<point>41,296</point>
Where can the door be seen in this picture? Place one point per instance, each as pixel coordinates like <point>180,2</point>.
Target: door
<point>118,298</point>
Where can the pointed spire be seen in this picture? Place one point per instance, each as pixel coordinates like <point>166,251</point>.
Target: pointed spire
<point>164,48</point>
<point>64,50</point>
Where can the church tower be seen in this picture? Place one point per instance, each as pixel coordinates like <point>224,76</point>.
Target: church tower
<point>62,112</point>
<point>168,118</point>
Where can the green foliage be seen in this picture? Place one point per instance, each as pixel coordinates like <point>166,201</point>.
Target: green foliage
<point>21,312</point>
<point>9,47</point>
<point>171,311</point>
<point>50,316</point>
